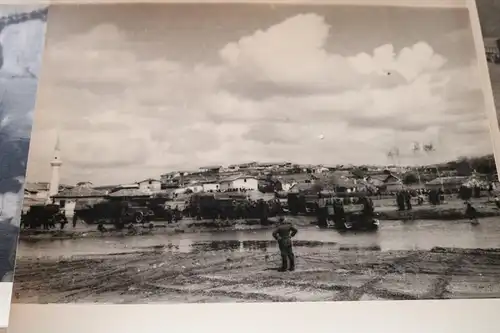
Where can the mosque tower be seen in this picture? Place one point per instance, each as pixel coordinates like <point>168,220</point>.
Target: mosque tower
<point>55,164</point>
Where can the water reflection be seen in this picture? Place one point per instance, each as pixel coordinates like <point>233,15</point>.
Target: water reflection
<point>250,245</point>
<point>392,235</point>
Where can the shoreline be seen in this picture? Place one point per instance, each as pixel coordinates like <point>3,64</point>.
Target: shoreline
<point>193,226</point>
<point>437,213</point>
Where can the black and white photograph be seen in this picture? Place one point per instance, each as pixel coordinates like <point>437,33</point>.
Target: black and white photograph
<point>201,153</point>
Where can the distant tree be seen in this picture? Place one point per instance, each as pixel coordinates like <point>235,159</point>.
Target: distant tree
<point>317,187</point>
<point>270,184</point>
<point>410,178</point>
<point>463,167</point>
<point>485,164</point>
<point>358,173</point>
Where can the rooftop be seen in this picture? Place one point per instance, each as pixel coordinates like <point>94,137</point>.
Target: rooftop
<point>233,178</point>
<point>129,192</point>
<point>148,180</point>
<point>81,191</point>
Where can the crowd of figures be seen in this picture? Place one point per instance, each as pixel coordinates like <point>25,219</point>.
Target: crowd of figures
<point>46,217</point>
<point>208,207</point>
<point>331,209</point>
<point>236,205</point>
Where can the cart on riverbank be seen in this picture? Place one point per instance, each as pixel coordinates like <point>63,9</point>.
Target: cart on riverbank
<point>351,211</point>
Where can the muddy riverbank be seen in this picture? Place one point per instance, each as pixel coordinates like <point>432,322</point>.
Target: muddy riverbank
<point>325,272</point>
<point>445,213</point>
<point>157,227</point>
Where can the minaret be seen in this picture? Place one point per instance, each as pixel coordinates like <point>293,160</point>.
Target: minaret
<point>55,165</point>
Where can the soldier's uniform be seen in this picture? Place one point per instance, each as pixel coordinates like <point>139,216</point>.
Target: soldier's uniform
<point>471,213</point>
<point>322,212</point>
<point>283,234</point>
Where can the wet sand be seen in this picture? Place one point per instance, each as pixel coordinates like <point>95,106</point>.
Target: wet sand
<point>324,273</point>
<point>400,261</point>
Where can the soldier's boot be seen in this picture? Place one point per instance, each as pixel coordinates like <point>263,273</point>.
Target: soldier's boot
<point>291,257</point>
<point>283,263</point>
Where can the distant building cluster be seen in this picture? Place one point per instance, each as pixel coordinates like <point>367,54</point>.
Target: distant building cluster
<point>256,179</point>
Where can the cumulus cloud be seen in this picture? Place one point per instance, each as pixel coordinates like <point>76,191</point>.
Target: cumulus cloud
<point>23,45</point>
<point>293,53</point>
<point>122,117</point>
<point>410,62</point>
<point>10,203</point>
<point>21,48</point>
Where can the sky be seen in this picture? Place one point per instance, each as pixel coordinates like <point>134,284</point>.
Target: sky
<point>21,48</point>
<point>134,91</point>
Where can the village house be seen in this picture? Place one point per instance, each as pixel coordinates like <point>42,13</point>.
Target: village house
<point>376,180</point>
<point>446,183</point>
<point>240,182</point>
<point>307,168</point>
<point>211,187</point>
<point>304,187</point>
<point>247,166</point>
<point>211,169</point>
<point>345,185</point>
<point>321,169</point>
<point>392,183</point>
<point>232,168</point>
<point>107,188</point>
<point>193,187</point>
<point>273,166</point>
<point>36,191</point>
<point>150,184</point>
<point>70,198</point>
<point>167,177</point>
<point>287,186</point>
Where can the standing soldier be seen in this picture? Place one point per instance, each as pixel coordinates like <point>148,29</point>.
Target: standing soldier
<point>263,209</point>
<point>169,215</point>
<point>407,196</point>
<point>75,219</point>
<point>400,201</point>
<point>61,219</point>
<point>321,211</point>
<point>471,214</point>
<point>283,234</point>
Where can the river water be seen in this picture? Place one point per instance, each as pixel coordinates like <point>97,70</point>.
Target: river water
<point>392,235</point>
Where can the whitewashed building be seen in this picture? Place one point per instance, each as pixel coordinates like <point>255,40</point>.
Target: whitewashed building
<point>240,182</point>
<point>211,187</point>
<point>153,185</point>
<point>193,187</point>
